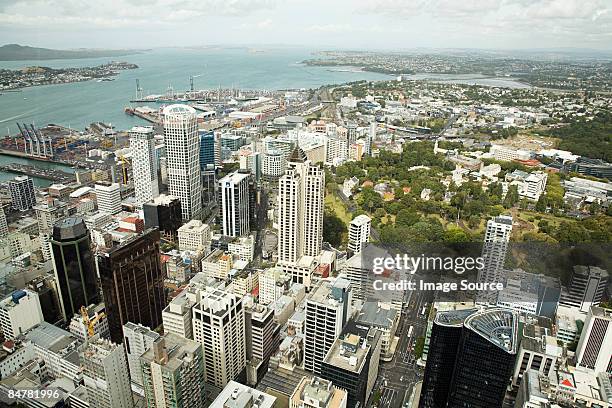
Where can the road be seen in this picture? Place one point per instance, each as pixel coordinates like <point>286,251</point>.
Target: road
<point>396,378</point>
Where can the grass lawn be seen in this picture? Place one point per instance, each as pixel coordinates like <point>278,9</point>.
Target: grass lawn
<point>337,207</point>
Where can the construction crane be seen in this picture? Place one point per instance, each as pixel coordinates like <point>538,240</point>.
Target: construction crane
<point>124,169</point>
<point>90,323</point>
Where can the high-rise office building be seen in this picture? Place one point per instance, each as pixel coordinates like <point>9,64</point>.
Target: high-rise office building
<point>3,224</point>
<point>207,148</point>
<point>172,372</point>
<point>471,358</point>
<point>495,247</point>
<point>164,212</point>
<point>137,339</point>
<point>262,338</point>
<point>328,308</point>
<point>144,164</point>
<point>300,211</point>
<point>234,204</point>
<point>19,312</point>
<point>108,197</point>
<point>218,324</point>
<point>359,232</point>
<point>252,161</point>
<point>73,265</point>
<point>105,374</point>
<point>22,193</point>
<point>594,351</point>
<point>352,362</point>
<point>586,288</point>
<point>369,141</point>
<point>132,282</point>
<point>183,158</point>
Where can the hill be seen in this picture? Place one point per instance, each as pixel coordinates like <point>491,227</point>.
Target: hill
<point>16,52</point>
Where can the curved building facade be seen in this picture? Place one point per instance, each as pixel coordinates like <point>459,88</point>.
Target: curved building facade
<point>471,358</point>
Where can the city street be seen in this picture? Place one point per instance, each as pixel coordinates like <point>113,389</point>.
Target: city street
<point>397,377</point>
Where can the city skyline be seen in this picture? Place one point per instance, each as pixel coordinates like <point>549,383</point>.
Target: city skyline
<point>383,24</point>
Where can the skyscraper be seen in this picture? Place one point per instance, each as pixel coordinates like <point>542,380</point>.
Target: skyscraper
<point>359,232</point>
<point>207,148</point>
<point>352,362</point>
<point>262,337</point>
<point>183,158</point>
<point>234,192</point>
<point>73,265</point>
<point>300,206</point>
<point>586,288</point>
<point>108,197</point>
<point>328,307</point>
<point>495,247</point>
<point>137,339</point>
<point>132,282</point>
<point>218,324</point>
<point>594,351</point>
<point>21,189</point>
<point>144,164</point>
<point>172,373</point>
<point>105,374</point>
<point>3,224</point>
<point>471,358</point>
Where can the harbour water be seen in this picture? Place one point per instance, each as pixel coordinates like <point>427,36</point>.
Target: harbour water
<point>79,104</point>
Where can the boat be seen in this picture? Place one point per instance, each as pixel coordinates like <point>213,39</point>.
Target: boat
<point>129,110</point>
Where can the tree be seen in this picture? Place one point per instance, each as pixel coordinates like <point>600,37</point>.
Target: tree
<point>333,228</point>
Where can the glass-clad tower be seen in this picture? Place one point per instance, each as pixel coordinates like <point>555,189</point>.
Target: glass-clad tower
<point>73,265</point>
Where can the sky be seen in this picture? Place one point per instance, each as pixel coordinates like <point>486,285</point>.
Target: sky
<point>321,24</point>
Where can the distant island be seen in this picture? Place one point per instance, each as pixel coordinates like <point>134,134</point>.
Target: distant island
<point>35,76</point>
<point>16,52</point>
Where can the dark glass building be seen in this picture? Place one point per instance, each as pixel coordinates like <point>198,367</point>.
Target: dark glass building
<point>73,265</point>
<point>471,358</point>
<point>133,283</point>
<point>164,213</point>
<point>207,148</point>
<point>352,362</point>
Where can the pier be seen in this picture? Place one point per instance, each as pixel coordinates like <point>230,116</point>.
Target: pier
<point>53,175</point>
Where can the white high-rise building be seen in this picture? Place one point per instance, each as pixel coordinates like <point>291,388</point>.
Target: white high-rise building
<point>105,374</point>
<point>137,339</point>
<point>234,193</point>
<point>371,136</point>
<point>218,324</point>
<point>3,224</point>
<point>594,351</point>
<point>194,236</point>
<point>144,164</point>
<point>273,283</point>
<point>301,193</point>
<point>328,307</point>
<point>495,247</point>
<point>183,158</point>
<point>359,232</point>
<point>108,197</point>
<point>22,193</point>
<point>19,312</point>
